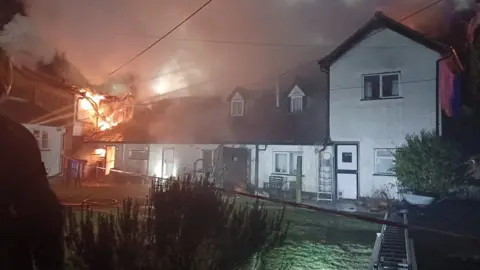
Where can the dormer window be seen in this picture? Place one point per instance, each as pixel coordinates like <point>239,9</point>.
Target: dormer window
<point>237,106</point>
<point>296,97</point>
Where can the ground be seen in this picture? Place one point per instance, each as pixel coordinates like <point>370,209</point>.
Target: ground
<point>315,240</point>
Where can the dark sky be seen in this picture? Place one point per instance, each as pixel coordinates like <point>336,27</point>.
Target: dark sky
<point>100,35</point>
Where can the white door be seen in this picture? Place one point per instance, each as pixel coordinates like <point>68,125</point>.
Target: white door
<point>346,171</point>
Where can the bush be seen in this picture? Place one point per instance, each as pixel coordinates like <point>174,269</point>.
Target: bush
<point>187,225</point>
<point>427,164</point>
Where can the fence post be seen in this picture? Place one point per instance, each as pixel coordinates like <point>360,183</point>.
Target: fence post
<point>299,180</point>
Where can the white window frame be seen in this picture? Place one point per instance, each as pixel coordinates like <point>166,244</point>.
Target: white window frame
<point>290,156</point>
<point>242,106</point>
<point>381,75</point>
<point>292,103</point>
<point>42,139</point>
<point>376,157</point>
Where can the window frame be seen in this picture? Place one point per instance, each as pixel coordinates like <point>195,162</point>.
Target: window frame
<point>296,97</point>
<point>375,157</point>
<point>380,94</point>
<point>242,106</point>
<point>290,155</point>
<point>43,139</point>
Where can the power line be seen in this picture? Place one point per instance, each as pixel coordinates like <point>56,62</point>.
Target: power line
<point>410,15</point>
<point>161,38</point>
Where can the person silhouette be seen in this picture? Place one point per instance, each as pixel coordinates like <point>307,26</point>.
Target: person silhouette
<point>31,217</point>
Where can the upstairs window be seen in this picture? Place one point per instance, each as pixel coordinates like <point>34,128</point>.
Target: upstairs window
<point>378,86</point>
<point>296,104</point>
<point>296,97</point>
<point>237,107</point>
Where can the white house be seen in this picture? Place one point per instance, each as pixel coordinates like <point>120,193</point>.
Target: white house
<point>51,143</point>
<point>384,83</point>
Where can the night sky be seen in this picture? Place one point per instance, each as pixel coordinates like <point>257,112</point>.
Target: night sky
<point>228,43</point>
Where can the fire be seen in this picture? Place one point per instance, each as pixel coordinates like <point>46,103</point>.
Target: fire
<point>104,112</point>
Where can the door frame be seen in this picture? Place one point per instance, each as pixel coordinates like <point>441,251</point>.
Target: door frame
<point>335,165</point>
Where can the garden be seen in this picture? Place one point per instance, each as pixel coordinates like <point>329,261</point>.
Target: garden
<point>190,225</point>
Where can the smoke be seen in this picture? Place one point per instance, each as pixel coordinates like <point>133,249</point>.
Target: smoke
<point>99,36</point>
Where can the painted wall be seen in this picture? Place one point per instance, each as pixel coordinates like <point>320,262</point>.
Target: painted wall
<point>382,123</point>
<point>52,155</point>
<point>310,164</point>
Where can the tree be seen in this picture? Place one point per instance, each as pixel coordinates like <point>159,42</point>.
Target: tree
<point>430,164</point>
<point>57,67</point>
<point>10,8</point>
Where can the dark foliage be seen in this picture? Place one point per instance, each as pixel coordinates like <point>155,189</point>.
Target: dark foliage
<point>8,10</point>
<point>57,67</point>
<point>185,225</point>
<point>430,164</point>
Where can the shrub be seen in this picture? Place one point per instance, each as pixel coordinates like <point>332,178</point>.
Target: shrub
<point>429,164</point>
<point>186,225</point>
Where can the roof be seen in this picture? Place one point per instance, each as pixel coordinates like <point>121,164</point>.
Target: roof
<point>381,21</point>
<point>207,120</point>
<point>22,112</point>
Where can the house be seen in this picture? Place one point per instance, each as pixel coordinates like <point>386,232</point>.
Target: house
<point>40,99</point>
<point>51,143</point>
<point>253,134</point>
<point>385,81</point>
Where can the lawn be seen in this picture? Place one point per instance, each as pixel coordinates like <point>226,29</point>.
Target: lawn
<point>315,240</point>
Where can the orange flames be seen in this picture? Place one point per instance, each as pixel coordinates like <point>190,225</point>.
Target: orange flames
<point>104,112</point>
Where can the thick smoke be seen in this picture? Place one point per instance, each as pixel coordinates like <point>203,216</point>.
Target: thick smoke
<point>99,36</point>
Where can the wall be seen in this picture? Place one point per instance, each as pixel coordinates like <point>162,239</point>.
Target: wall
<point>185,157</point>
<point>52,156</point>
<point>382,123</point>
<point>310,164</point>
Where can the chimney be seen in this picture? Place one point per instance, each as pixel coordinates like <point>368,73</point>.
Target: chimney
<point>277,94</point>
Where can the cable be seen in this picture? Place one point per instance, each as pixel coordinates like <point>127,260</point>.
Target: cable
<point>161,38</point>
<point>410,15</point>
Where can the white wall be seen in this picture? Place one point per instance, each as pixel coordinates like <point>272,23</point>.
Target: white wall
<point>382,123</point>
<point>187,154</point>
<point>52,156</point>
<point>310,164</point>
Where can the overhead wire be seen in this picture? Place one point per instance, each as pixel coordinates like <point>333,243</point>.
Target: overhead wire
<point>436,2</point>
<point>161,38</point>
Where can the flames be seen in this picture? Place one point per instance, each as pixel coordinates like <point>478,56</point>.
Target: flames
<point>104,112</point>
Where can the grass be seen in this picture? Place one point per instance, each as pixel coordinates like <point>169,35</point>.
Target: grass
<point>315,240</point>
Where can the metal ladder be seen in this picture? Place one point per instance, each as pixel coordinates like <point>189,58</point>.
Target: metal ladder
<point>393,248</point>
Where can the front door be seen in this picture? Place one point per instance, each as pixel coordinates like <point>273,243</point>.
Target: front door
<point>346,171</point>
<point>236,162</point>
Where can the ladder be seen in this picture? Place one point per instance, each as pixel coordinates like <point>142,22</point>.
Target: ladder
<point>393,248</point>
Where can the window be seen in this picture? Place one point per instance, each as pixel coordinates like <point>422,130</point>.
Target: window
<point>384,161</point>
<point>42,139</point>
<point>296,104</point>
<point>138,154</point>
<point>347,157</point>
<point>285,162</point>
<point>44,142</point>
<point>237,107</point>
<point>379,86</point>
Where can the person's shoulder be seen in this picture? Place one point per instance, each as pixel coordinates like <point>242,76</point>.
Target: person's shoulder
<point>16,133</point>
